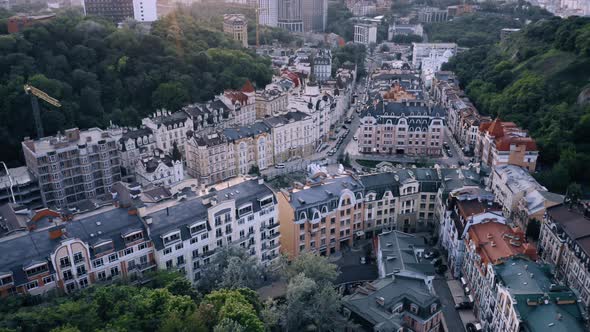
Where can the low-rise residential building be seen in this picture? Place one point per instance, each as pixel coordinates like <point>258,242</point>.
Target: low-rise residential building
<point>422,51</point>
<point>410,127</point>
<point>242,103</point>
<point>528,300</point>
<point>187,233</point>
<point>565,244</point>
<point>487,246</point>
<point>401,255</point>
<point>168,129</point>
<point>503,143</point>
<point>466,207</point>
<point>394,304</point>
<point>292,136</point>
<point>510,184</point>
<point>321,217</point>
<point>159,170</point>
<point>82,164</point>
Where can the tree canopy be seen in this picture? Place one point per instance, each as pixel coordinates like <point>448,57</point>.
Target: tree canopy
<point>100,73</point>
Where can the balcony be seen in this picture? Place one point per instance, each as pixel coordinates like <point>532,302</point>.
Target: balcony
<point>273,236</point>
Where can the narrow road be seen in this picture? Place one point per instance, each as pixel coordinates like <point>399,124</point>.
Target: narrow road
<point>452,318</point>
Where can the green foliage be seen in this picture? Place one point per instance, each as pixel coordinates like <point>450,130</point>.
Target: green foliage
<point>101,73</point>
<point>534,79</point>
<point>314,267</point>
<point>352,54</point>
<point>232,305</point>
<point>406,39</point>
<point>232,267</point>
<point>339,20</point>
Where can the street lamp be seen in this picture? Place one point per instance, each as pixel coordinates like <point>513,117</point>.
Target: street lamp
<point>11,183</point>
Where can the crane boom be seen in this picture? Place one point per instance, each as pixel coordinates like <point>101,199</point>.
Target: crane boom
<point>36,93</point>
<point>29,89</point>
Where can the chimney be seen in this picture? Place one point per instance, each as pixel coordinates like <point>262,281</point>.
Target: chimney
<point>380,300</point>
<point>56,232</point>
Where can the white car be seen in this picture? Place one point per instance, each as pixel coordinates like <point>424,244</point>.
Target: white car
<point>355,138</point>
<point>280,166</point>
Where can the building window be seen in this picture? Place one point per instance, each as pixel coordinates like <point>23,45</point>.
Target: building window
<point>169,264</point>
<point>98,263</point>
<point>414,308</point>
<point>179,260</point>
<point>48,279</point>
<point>179,246</point>
<point>68,275</point>
<point>113,257</point>
<point>433,308</point>
<point>128,251</point>
<point>32,285</point>
<point>83,283</point>
<point>114,271</point>
<point>81,270</point>
<point>78,258</point>
<point>142,246</point>
<point>102,275</point>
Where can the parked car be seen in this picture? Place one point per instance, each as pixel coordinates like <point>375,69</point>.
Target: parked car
<point>463,305</point>
<point>461,163</point>
<point>473,327</point>
<point>355,138</point>
<point>280,166</point>
<point>363,260</point>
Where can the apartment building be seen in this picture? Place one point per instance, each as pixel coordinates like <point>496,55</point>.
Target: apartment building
<point>318,105</point>
<point>169,129</point>
<point>398,29</point>
<point>75,166</point>
<point>410,127</point>
<point>290,16</point>
<point>268,12</point>
<point>236,26</point>
<point>159,170</point>
<point>465,207</point>
<point>489,245</point>
<point>271,101</point>
<point>527,300</point>
<point>187,233</point>
<point>432,15</point>
<point>365,33</point>
<point>315,15</point>
<point>503,143</point>
<point>322,65</point>
<point>215,157</point>
<point>403,199</point>
<point>510,184</point>
<point>292,136</point>
<point>533,206</point>
<point>106,245</point>
<point>323,217</point>
<point>134,145</point>
<point>565,244</point>
<point>242,103</point>
<point>394,304</point>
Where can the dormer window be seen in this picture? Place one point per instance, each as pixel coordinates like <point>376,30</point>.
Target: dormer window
<point>302,216</point>
<point>171,237</point>
<point>133,236</point>
<point>414,308</point>
<point>433,308</point>
<point>36,269</point>
<point>244,210</point>
<point>6,279</point>
<point>266,201</point>
<point>198,227</point>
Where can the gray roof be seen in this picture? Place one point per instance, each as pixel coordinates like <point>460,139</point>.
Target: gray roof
<point>394,292</point>
<point>286,118</point>
<point>397,250</point>
<point>515,274</point>
<point>185,213</point>
<point>254,129</point>
<point>574,223</point>
<point>327,192</point>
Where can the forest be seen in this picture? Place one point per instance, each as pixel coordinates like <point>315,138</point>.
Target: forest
<point>538,78</point>
<point>223,301</point>
<point>101,74</point>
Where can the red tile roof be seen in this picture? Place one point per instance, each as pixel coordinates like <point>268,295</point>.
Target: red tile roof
<point>248,87</point>
<point>496,241</point>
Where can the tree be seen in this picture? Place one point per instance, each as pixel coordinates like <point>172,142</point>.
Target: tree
<point>233,305</point>
<point>233,267</point>
<point>314,267</point>
<point>228,325</point>
<point>176,154</point>
<point>254,170</point>
<point>170,96</point>
<point>573,194</point>
<point>311,305</point>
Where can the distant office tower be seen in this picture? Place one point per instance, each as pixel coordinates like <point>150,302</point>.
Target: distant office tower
<point>290,17</point>
<point>314,14</point>
<point>365,33</point>
<point>237,26</point>
<point>119,10</point>
<point>269,10</point>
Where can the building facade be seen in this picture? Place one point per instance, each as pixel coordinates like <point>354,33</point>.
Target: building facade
<point>292,136</point>
<point>118,11</point>
<point>410,127</point>
<point>236,26</point>
<point>159,170</point>
<point>365,33</point>
<point>510,184</point>
<point>290,16</point>
<point>503,143</point>
<point>73,167</point>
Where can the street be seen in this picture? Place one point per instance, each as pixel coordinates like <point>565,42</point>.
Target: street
<point>452,318</point>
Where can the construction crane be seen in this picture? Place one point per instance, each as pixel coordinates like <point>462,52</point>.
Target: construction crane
<point>35,94</point>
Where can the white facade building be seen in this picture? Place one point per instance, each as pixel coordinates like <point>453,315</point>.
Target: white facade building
<point>269,11</point>
<point>365,33</point>
<point>423,51</point>
<point>145,10</point>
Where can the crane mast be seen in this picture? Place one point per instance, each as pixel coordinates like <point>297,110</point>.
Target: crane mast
<point>35,94</point>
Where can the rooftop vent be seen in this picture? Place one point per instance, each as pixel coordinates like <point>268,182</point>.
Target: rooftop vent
<point>380,300</point>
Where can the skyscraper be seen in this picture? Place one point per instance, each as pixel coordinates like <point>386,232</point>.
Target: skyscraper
<point>290,17</point>
<point>269,10</point>
<point>315,15</point>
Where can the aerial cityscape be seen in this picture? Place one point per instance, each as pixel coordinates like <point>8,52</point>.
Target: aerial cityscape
<point>295,165</point>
